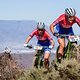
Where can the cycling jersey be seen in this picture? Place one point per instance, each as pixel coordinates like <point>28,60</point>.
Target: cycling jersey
<point>43,37</point>
<point>43,40</point>
<point>64,23</point>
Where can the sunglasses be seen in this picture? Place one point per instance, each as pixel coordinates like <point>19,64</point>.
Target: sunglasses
<point>40,29</point>
<point>71,18</point>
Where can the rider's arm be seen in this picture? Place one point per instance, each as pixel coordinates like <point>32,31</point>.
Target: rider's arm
<point>30,36</point>
<point>50,38</point>
<point>57,21</point>
<point>54,24</point>
<point>52,42</point>
<point>78,21</point>
<point>28,39</point>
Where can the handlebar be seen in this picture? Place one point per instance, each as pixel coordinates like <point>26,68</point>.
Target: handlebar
<point>37,47</point>
<point>61,35</point>
<point>70,37</point>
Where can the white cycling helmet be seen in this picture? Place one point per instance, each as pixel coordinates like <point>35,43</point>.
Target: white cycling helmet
<point>40,25</point>
<point>70,12</point>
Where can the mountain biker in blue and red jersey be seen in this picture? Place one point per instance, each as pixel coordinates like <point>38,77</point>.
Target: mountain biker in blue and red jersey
<point>64,26</point>
<point>44,39</point>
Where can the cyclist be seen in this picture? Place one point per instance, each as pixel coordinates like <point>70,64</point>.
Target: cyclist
<point>44,39</point>
<point>64,26</point>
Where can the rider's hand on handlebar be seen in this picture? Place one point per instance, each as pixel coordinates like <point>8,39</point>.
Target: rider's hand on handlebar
<point>50,46</point>
<point>25,45</point>
<point>56,34</point>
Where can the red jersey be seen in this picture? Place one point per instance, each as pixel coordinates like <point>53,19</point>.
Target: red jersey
<point>45,35</point>
<point>63,22</point>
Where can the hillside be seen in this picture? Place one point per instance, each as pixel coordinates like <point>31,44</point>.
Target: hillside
<point>14,32</point>
<point>66,70</point>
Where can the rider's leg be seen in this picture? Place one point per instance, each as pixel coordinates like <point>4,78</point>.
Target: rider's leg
<point>46,59</point>
<point>61,42</point>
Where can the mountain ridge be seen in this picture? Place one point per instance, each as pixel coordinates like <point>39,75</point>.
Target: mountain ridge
<point>14,32</point>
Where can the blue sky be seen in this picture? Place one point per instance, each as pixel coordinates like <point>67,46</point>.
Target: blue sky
<point>39,10</point>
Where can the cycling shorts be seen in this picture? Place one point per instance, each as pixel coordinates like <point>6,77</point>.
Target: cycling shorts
<point>45,43</point>
<point>59,29</point>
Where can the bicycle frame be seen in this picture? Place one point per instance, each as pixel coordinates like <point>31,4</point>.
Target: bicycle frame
<point>68,47</point>
<point>39,60</point>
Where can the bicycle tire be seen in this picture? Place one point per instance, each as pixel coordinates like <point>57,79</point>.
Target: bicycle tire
<point>41,63</point>
<point>38,62</point>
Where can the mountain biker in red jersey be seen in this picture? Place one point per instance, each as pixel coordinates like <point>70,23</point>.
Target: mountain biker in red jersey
<point>64,26</point>
<point>44,39</point>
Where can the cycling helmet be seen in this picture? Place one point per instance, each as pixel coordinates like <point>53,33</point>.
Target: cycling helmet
<point>70,12</point>
<point>40,25</point>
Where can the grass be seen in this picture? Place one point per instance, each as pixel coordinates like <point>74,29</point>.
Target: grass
<point>67,70</point>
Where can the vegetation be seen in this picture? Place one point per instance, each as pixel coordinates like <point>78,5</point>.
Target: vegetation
<point>66,70</point>
<point>8,67</point>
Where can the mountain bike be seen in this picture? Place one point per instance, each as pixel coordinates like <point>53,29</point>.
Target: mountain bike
<point>39,56</point>
<point>70,50</point>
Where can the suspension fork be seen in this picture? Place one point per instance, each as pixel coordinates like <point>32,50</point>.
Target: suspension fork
<point>38,63</point>
<point>67,53</point>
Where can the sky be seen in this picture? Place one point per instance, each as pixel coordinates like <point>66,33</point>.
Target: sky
<point>40,10</point>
